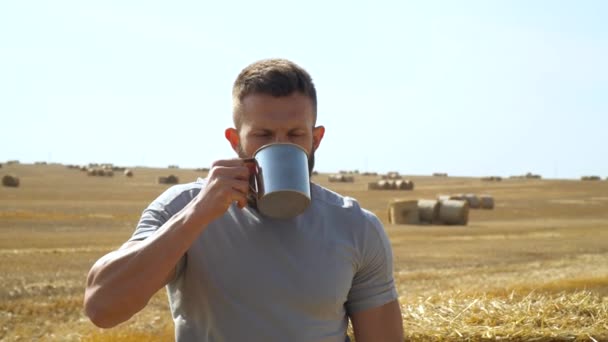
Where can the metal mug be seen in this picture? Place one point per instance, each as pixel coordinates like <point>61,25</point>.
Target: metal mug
<point>280,180</point>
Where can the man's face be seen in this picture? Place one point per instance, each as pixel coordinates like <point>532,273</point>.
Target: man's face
<point>267,119</point>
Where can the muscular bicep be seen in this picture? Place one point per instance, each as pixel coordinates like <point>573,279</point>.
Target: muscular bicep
<point>134,245</point>
<point>381,323</point>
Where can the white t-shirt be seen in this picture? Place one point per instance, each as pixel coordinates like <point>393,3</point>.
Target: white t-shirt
<point>252,278</point>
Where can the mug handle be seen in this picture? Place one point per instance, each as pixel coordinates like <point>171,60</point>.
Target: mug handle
<point>252,165</point>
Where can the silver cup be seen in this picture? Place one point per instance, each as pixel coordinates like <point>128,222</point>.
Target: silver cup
<point>280,180</point>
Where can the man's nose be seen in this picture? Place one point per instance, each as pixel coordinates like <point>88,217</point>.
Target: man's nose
<point>281,138</point>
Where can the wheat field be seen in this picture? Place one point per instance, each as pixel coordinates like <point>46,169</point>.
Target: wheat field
<point>533,269</point>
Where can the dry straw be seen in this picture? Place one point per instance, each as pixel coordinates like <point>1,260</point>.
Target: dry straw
<point>10,180</point>
<point>403,212</point>
<point>428,211</point>
<point>454,212</point>
<point>572,316</point>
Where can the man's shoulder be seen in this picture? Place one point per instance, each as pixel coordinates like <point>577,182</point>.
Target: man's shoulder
<point>178,195</point>
<point>333,203</point>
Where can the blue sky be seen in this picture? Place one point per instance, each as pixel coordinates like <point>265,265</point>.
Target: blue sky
<point>470,88</point>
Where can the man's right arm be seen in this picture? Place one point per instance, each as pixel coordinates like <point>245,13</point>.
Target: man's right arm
<point>122,282</point>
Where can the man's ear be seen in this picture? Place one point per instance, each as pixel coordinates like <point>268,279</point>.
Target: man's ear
<point>317,135</point>
<point>232,135</point>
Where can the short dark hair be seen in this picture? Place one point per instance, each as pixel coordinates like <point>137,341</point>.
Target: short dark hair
<point>276,77</point>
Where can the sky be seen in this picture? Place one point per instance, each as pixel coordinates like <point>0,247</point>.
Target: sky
<point>470,88</point>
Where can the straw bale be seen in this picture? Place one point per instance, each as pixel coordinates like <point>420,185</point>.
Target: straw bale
<point>341,178</point>
<point>473,201</point>
<point>443,197</point>
<point>10,181</point>
<point>393,175</point>
<point>591,178</point>
<point>392,184</point>
<point>491,179</point>
<point>128,173</point>
<point>454,212</point>
<point>530,175</point>
<point>335,178</point>
<point>373,186</point>
<point>384,184</point>
<point>91,172</point>
<point>428,211</point>
<point>171,179</point>
<point>486,202</point>
<point>459,197</point>
<point>404,184</point>
<point>403,212</point>
<point>109,173</point>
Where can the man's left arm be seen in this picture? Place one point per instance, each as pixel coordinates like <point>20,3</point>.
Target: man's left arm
<point>373,304</point>
<point>381,323</point>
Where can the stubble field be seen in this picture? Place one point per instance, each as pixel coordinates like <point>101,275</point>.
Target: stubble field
<point>533,269</point>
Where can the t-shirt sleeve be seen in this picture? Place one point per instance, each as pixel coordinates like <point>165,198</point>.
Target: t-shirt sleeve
<point>373,284</point>
<point>169,203</point>
<point>161,210</point>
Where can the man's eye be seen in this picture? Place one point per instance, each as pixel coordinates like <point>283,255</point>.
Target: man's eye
<point>261,134</point>
<point>296,134</point>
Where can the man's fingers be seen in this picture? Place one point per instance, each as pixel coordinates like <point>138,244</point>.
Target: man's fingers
<point>229,162</point>
<point>235,172</point>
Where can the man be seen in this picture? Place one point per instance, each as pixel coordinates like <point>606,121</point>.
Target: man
<point>234,275</point>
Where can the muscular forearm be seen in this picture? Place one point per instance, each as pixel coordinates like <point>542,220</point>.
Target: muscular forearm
<point>121,283</point>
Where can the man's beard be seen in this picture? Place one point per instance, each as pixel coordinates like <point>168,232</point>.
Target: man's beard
<point>311,158</point>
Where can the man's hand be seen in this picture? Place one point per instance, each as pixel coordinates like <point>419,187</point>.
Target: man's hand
<point>227,182</point>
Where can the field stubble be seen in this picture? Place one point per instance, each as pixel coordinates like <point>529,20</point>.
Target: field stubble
<point>534,268</point>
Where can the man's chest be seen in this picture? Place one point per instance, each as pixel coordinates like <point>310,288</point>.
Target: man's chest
<point>300,271</point>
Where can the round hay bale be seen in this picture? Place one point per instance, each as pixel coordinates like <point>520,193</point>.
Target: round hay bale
<point>443,197</point>
<point>348,179</point>
<point>91,172</point>
<point>392,185</point>
<point>101,172</point>
<point>404,184</point>
<point>10,181</point>
<point>384,184</point>
<point>393,175</point>
<point>335,178</point>
<point>473,200</point>
<point>458,197</point>
<point>109,173</point>
<point>428,211</point>
<point>591,178</point>
<point>128,173</point>
<point>454,212</point>
<point>487,201</point>
<point>403,212</point>
<point>171,179</point>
